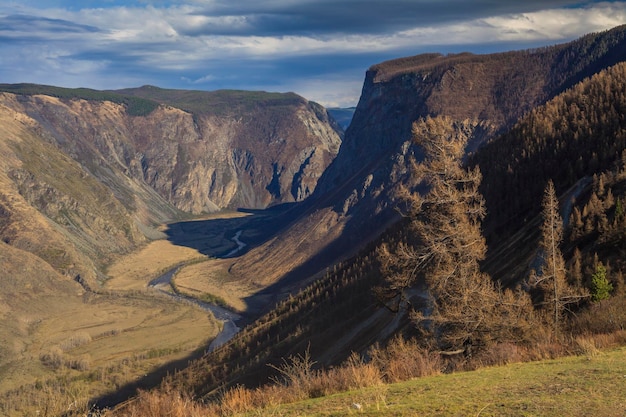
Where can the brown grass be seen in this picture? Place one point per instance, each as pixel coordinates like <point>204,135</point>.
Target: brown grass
<point>134,272</point>
<point>405,359</point>
<point>160,404</point>
<point>297,379</point>
<point>212,277</point>
<point>71,336</point>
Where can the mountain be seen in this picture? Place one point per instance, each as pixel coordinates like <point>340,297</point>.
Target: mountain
<point>483,95</point>
<point>508,122</point>
<point>239,149</point>
<point>88,176</point>
<point>95,171</point>
<point>343,115</point>
<point>257,149</point>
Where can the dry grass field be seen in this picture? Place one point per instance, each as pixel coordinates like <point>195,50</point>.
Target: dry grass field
<point>52,328</point>
<point>135,271</point>
<point>212,279</point>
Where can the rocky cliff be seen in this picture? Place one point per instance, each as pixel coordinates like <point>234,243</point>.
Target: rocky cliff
<point>271,151</point>
<point>483,95</point>
<point>99,173</point>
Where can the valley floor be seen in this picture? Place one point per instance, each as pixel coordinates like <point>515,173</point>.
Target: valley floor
<point>101,340</point>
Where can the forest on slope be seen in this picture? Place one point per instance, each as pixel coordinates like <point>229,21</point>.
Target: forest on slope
<point>377,303</point>
<point>574,140</point>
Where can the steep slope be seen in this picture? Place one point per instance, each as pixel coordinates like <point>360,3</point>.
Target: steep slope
<point>226,149</point>
<point>574,139</point>
<point>489,91</point>
<point>339,313</point>
<point>261,148</point>
<point>483,95</point>
<point>52,207</point>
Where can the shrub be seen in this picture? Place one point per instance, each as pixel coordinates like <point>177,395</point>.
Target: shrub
<point>405,359</point>
<point>161,403</point>
<point>76,340</point>
<point>605,316</point>
<point>237,400</point>
<point>54,358</point>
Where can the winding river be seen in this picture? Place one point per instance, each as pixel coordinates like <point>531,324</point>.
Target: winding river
<point>228,317</point>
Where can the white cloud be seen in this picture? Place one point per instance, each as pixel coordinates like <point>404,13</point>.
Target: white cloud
<point>339,93</point>
<point>156,33</point>
<point>177,42</point>
<point>548,25</point>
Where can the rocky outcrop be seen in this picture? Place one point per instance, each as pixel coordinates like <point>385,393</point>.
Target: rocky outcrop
<point>482,95</point>
<point>98,177</point>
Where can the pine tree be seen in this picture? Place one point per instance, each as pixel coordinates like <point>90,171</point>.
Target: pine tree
<point>557,294</point>
<point>447,246</point>
<point>601,287</point>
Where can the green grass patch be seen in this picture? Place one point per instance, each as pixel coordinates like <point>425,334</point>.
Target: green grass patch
<point>213,299</point>
<point>135,106</point>
<point>572,386</point>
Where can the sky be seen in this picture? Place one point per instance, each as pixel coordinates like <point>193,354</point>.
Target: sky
<point>319,49</point>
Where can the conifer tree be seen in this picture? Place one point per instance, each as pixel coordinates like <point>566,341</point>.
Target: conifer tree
<point>601,287</point>
<point>556,293</point>
<point>446,245</point>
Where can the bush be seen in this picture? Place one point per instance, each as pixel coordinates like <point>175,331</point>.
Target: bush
<point>605,316</point>
<point>54,358</point>
<point>405,359</point>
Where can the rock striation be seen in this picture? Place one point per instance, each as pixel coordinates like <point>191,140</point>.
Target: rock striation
<point>101,174</point>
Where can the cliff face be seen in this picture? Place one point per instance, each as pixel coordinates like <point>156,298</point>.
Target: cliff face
<point>483,95</point>
<point>197,162</point>
<point>94,178</point>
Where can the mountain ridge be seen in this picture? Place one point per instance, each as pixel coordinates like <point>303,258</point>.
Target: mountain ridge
<point>325,320</point>
<point>480,92</point>
<point>325,244</point>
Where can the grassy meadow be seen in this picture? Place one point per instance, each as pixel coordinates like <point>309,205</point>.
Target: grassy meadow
<point>590,384</point>
<point>64,342</point>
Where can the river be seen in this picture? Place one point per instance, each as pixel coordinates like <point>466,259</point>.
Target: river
<point>240,245</point>
<point>228,317</point>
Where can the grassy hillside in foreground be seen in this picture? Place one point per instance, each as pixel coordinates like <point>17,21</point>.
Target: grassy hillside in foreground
<point>573,386</point>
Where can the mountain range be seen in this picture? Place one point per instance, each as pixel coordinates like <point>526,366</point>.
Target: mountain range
<point>89,177</point>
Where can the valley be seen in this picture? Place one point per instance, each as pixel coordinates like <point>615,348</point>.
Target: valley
<point>85,227</point>
<point>238,250</point>
<point>72,333</point>
<point>158,305</point>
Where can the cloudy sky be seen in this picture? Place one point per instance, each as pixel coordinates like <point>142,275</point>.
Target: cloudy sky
<point>317,48</point>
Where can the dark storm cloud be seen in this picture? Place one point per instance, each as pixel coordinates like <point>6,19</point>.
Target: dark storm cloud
<point>327,17</point>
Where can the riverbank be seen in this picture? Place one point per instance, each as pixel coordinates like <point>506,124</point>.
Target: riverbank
<point>228,318</point>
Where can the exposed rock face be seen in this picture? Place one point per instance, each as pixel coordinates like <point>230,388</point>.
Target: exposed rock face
<point>197,162</point>
<point>482,95</point>
<point>96,178</point>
